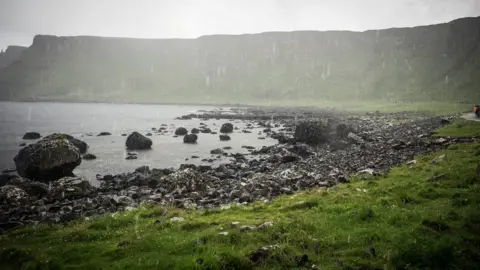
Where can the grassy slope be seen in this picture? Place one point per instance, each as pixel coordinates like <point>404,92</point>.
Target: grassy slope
<point>406,219</point>
<point>460,127</point>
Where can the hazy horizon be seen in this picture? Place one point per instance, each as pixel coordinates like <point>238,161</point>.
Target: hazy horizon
<point>21,20</point>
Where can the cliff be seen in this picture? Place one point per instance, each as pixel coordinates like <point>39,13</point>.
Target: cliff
<point>437,62</point>
<point>8,56</point>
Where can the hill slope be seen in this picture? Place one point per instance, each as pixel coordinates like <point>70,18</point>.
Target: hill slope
<point>437,62</point>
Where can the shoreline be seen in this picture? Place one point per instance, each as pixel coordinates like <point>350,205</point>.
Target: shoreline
<point>337,151</point>
<point>129,103</point>
<point>383,106</point>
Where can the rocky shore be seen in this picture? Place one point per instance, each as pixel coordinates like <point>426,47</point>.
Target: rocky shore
<point>317,148</point>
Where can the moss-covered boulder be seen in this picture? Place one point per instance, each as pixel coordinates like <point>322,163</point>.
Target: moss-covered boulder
<point>81,145</point>
<point>48,160</point>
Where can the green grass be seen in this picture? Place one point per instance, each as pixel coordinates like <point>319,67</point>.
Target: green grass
<point>409,221</point>
<point>460,128</point>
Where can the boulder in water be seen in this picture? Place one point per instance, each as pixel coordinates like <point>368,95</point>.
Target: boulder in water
<point>226,128</point>
<point>217,151</point>
<point>190,138</point>
<point>81,145</point>
<point>224,137</point>
<point>137,141</point>
<point>206,130</point>
<point>104,133</point>
<point>195,131</point>
<point>89,157</point>
<point>48,160</point>
<point>181,131</point>
<point>31,136</point>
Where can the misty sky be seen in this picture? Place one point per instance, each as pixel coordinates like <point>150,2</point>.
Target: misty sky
<point>20,20</point>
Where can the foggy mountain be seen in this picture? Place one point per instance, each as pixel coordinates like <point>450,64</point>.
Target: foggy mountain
<point>10,55</point>
<point>436,62</point>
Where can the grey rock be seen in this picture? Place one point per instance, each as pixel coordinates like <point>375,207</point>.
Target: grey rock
<point>226,128</point>
<point>181,131</point>
<point>136,141</point>
<point>143,169</point>
<point>123,200</point>
<point>190,138</point>
<point>13,196</point>
<point>156,197</point>
<point>224,138</point>
<point>31,136</point>
<point>217,151</point>
<point>195,131</point>
<point>206,130</point>
<point>89,157</point>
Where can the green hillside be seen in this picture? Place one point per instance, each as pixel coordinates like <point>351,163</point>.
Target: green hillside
<point>437,62</point>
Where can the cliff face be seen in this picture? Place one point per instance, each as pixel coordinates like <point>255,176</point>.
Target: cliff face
<point>10,55</point>
<point>437,62</point>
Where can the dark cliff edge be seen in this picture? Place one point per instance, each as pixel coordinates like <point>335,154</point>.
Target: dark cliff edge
<point>11,54</point>
<point>436,62</point>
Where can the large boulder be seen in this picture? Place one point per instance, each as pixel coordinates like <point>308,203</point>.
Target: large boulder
<point>136,141</point>
<point>81,145</point>
<point>190,138</point>
<point>312,133</point>
<point>48,160</point>
<point>226,128</point>
<point>31,136</point>
<point>181,131</point>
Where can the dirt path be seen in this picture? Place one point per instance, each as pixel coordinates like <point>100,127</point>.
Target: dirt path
<point>470,116</point>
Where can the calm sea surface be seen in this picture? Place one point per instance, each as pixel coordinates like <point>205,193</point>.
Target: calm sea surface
<point>84,119</point>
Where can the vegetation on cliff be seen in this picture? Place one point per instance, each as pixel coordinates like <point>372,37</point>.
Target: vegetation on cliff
<point>436,62</point>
